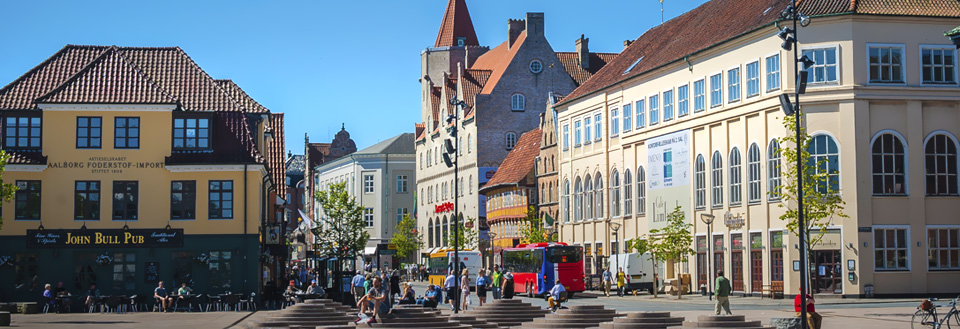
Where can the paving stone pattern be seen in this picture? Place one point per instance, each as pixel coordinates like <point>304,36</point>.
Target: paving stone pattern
<point>574,317</point>
<point>309,314</point>
<point>507,312</point>
<point>644,320</point>
<point>724,322</point>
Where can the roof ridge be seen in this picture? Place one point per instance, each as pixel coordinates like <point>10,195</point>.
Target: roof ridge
<point>36,68</point>
<point>244,92</point>
<point>209,78</point>
<point>97,61</point>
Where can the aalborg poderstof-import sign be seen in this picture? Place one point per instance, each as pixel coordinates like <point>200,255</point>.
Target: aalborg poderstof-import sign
<point>90,238</point>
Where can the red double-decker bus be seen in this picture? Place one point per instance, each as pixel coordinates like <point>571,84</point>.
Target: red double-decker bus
<point>537,266</point>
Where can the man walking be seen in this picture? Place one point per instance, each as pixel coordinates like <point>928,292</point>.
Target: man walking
<point>357,284</point>
<point>607,280</point>
<point>450,284</point>
<point>496,281</point>
<point>723,294</point>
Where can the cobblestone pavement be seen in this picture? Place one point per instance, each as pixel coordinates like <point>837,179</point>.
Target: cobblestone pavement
<point>148,320</point>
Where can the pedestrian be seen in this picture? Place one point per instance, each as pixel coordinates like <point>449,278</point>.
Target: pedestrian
<point>375,299</point>
<point>607,280</point>
<point>92,294</point>
<point>554,300</point>
<point>357,285</point>
<point>621,282</point>
<point>507,285</point>
<point>465,289</point>
<point>496,278</point>
<point>723,294</point>
<point>385,281</point>
<point>450,283</point>
<point>367,283</point>
<point>814,320</point>
<point>483,282</point>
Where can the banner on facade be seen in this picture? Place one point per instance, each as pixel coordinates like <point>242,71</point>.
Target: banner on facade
<point>668,176</point>
<point>90,238</point>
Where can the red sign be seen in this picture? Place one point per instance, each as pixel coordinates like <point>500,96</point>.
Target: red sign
<point>443,207</point>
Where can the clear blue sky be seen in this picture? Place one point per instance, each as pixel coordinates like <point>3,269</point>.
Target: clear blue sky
<point>320,62</point>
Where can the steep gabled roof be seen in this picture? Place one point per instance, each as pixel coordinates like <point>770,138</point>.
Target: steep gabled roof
<point>276,152</point>
<point>727,19</point>
<point>497,60</point>
<point>296,165</point>
<point>456,23</point>
<point>241,96</point>
<point>472,83</point>
<point>108,79</point>
<point>571,63</point>
<point>22,92</point>
<point>518,163</point>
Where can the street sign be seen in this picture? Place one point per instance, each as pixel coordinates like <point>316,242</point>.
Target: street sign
<point>387,249</point>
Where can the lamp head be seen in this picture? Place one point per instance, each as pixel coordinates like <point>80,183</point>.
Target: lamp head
<point>787,13</point>
<point>707,218</point>
<point>615,226</point>
<point>807,62</point>
<point>804,20</point>
<point>447,161</point>
<point>785,104</point>
<point>453,100</point>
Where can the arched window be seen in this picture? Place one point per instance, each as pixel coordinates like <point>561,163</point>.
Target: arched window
<point>627,193</point>
<point>470,184</point>
<point>445,231</point>
<point>598,193</point>
<point>511,140</point>
<point>700,182</point>
<point>518,102</point>
<point>436,153</point>
<point>429,158</point>
<point>615,194</point>
<point>735,177</point>
<point>543,191</point>
<point>716,179</point>
<point>641,191</point>
<point>940,157</point>
<point>565,201</point>
<point>889,165</point>
<point>588,198</point>
<point>430,233</point>
<point>421,196</point>
<point>469,143</point>
<point>578,201</point>
<point>421,160</point>
<point>460,146</point>
<point>825,157</point>
<point>773,170</point>
<point>550,193</point>
<point>753,173</point>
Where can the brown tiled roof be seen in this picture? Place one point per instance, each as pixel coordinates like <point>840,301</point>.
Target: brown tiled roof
<point>276,152</point>
<point>571,63</point>
<point>21,93</point>
<point>518,163</point>
<point>727,19</point>
<point>241,96</point>
<point>108,79</point>
<point>435,102</point>
<point>420,131</point>
<point>496,60</point>
<point>316,153</point>
<point>473,82</point>
<point>456,23</point>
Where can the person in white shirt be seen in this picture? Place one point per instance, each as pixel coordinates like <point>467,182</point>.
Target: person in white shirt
<point>450,284</point>
<point>554,299</point>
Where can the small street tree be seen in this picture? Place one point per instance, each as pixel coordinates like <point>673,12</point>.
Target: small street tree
<point>7,191</point>
<point>406,237</point>
<point>340,230</point>
<point>642,245</point>
<point>821,200</point>
<point>467,237</point>
<point>673,242</point>
<point>532,229</point>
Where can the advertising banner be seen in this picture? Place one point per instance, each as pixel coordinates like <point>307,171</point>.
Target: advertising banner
<point>90,238</point>
<point>668,173</point>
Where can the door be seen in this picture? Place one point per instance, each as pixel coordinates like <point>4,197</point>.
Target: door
<point>702,271</point>
<point>827,272</point>
<point>736,267</point>
<point>756,271</point>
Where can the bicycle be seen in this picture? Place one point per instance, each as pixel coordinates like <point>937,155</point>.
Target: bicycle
<point>926,315</point>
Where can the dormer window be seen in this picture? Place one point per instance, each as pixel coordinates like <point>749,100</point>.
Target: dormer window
<point>461,41</point>
<point>22,132</point>
<point>191,133</point>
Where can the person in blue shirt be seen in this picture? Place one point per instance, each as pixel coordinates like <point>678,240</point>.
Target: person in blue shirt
<point>450,283</point>
<point>482,283</point>
<point>357,283</point>
<point>160,294</point>
<point>431,298</point>
<point>554,299</point>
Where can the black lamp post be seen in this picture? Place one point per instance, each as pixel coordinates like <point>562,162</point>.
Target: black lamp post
<point>789,36</point>
<point>451,151</point>
<point>708,219</point>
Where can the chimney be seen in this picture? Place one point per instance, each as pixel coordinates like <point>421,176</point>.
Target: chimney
<point>626,43</point>
<point>514,27</point>
<point>583,52</point>
<point>534,25</point>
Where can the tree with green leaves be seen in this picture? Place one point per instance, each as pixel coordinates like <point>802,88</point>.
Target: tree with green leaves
<point>406,237</point>
<point>532,229</point>
<point>466,239</point>
<point>821,200</point>
<point>673,242</point>
<point>7,191</point>
<point>340,230</point>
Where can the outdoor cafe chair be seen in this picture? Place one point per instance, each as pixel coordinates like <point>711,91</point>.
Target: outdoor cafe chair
<point>230,300</point>
<point>115,303</point>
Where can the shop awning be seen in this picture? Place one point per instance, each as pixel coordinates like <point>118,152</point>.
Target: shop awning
<point>370,250</point>
<point>430,251</point>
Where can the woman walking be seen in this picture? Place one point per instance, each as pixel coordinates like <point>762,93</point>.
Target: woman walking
<point>483,282</point>
<point>464,289</point>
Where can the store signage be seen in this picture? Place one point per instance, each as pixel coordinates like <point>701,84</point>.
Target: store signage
<point>83,238</point>
<point>106,165</point>
<point>443,207</point>
<point>733,221</point>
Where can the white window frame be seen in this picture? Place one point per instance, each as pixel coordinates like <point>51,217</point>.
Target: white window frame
<point>402,181</point>
<point>771,169</point>
<point>700,183</point>
<point>719,89</point>
<point>566,136</point>
<point>716,180</point>
<point>663,100</point>
<point>653,117</point>
<point>703,95</point>
<point>767,73</point>
<point>686,101</point>
<point>641,175</point>
<point>736,186</point>
<point>922,47</point>
<point>907,241</point>
<point>577,135</point>
<point>903,63</point>
<point>730,85</point>
<point>640,110</point>
<point>746,76</point>
<point>597,127</point>
<point>627,110</point>
<point>948,248</point>
<point>587,132</point>
<point>400,213</point>
<point>368,217</point>
<point>839,64</point>
<point>615,122</point>
<point>754,174</point>
<point>369,187</point>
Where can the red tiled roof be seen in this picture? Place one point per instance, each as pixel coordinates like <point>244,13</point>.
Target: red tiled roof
<point>20,94</point>
<point>420,130</point>
<point>937,8</point>
<point>435,102</point>
<point>276,153</point>
<point>316,152</point>
<point>518,163</point>
<point>456,23</point>
<point>473,82</point>
<point>109,78</point>
<point>241,96</point>
<point>496,60</point>
<point>571,63</point>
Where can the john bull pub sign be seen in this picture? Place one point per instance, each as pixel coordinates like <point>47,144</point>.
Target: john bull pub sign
<point>160,238</point>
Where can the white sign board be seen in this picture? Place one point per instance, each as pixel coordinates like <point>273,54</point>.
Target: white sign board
<point>668,176</point>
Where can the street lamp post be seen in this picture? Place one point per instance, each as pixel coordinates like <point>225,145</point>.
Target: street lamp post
<point>454,163</point>
<point>790,38</point>
<point>708,219</point>
<point>616,227</point>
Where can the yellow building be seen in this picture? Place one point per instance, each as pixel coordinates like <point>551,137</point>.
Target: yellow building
<point>510,193</point>
<point>133,166</point>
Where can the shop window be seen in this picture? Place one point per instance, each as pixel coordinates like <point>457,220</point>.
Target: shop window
<point>125,200</point>
<point>124,271</point>
<point>221,199</point>
<point>182,267</point>
<point>890,248</point>
<point>220,270</point>
<point>191,133</point>
<point>84,273</point>
<point>22,133</point>
<point>86,204</point>
<point>943,248</point>
<point>127,133</point>
<point>27,205</point>
<point>183,199</point>
<point>88,132</point>
<point>26,273</point>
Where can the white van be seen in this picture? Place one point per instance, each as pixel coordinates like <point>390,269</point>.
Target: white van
<point>469,260</point>
<point>638,268</point>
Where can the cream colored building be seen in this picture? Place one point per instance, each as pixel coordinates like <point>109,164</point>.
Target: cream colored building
<point>689,118</point>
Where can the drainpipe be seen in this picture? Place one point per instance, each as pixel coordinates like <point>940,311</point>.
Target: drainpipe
<point>244,238</point>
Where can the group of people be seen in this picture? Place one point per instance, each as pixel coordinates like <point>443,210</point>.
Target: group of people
<point>622,280</point>
<point>58,298</point>
<point>377,293</point>
<point>722,289</point>
<point>165,300</point>
<point>500,283</point>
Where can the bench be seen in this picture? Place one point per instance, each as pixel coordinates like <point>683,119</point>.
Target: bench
<point>776,287</point>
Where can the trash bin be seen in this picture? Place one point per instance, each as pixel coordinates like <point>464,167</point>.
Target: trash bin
<point>868,291</point>
<point>703,289</point>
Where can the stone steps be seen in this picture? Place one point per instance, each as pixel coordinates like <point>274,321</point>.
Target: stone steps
<point>644,320</point>
<point>724,321</point>
<point>575,317</point>
<point>415,316</point>
<point>309,314</point>
<point>507,312</point>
